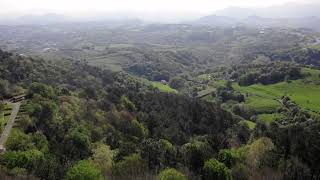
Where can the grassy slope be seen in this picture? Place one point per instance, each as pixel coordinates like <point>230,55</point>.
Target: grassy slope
<point>262,105</point>
<point>251,124</point>
<point>268,118</point>
<point>163,88</point>
<point>4,119</point>
<point>305,92</point>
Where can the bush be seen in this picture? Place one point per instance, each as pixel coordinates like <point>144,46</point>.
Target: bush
<point>19,141</point>
<point>21,159</point>
<point>229,157</point>
<point>132,165</point>
<point>213,169</point>
<point>84,170</point>
<point>171,174</point>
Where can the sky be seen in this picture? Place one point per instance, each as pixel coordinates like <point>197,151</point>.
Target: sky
<point>183,8</point>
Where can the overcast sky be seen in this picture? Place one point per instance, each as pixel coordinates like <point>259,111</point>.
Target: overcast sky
<point>147,8</point>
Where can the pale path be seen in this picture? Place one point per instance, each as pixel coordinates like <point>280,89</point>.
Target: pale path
<point>7,129</point>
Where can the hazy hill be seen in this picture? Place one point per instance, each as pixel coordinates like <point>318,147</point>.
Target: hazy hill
<point>290,10</point>
<point>257,21</point>
<point>216,20</point>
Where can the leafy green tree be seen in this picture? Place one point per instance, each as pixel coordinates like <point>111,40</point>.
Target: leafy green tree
<point>132,165</point>
<point>229,156</point>
<point>22,159</point>
<point>40,141</point>
<point>177,83</point>
<point>195,153</point>
<point>19,141</point>
<point>103,157</point>
<point>26,122</point>
<point>127,103</point>
<point>84,170</point>
<point>169,153</point>
<point>42,89</point>
<point>4,88</point>
<point>247,79</point>
<point>213,169</point>
<point>159,153</point>
<point>77,142</point>
<point>171,174</point>
<point>137,129</point>
<point>295,169</point>
<point>44,112</point>
<point>50,168</point>
<point>257,152</point>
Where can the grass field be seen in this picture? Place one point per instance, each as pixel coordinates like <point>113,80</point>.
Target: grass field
<point>250,124</point>
<point>262,105</point>
<point>268,118</point>
<point>163,88</point>
<point>106,63</point>
<point>305,92</point>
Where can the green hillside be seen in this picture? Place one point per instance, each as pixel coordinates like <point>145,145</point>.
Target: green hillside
<point>305,92</point>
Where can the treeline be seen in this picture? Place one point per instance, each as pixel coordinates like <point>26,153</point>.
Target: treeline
<point>306,56</point>
<point>261,72</point>
<point>271,75</point>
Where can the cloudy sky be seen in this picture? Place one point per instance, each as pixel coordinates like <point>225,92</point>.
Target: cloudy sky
<point>81,6</point>
<point>166,10</point>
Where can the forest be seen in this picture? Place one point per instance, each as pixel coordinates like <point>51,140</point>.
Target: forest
<point>229,104</point>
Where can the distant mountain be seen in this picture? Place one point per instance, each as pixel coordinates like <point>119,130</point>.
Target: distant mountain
<point>290,10</point>
<point>288,15</point>
<point>236,12</point>
<point>216,20</point>
<point>257,21</point>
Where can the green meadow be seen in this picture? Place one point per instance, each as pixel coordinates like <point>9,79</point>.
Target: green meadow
<point>305,92</point>
<point>163,87</point>
<point>268,118</point>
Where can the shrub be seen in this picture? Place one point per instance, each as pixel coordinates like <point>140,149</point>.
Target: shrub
<point>132,165</point>
<point>171,174</point>
<point>84,170</point>
<point>229,156</point>
<point>213,169</point>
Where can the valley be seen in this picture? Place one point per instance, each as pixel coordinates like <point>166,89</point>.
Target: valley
<point>213,98</point>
